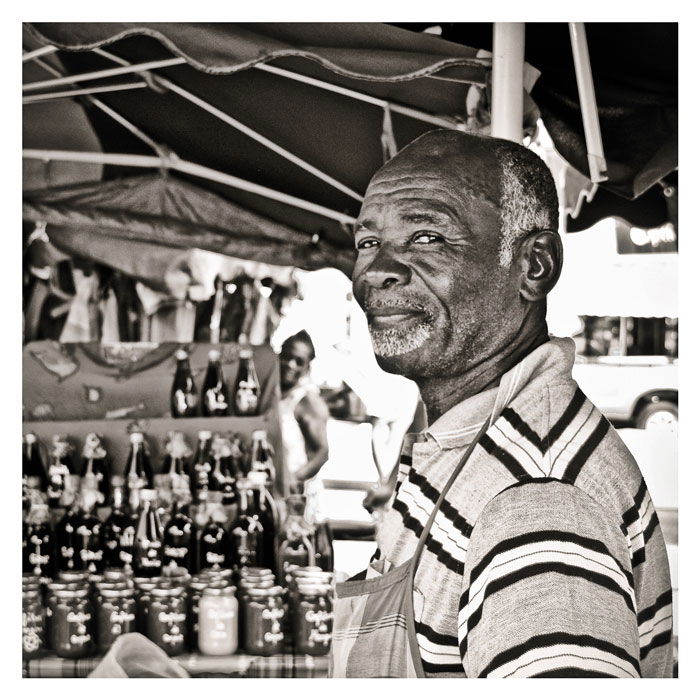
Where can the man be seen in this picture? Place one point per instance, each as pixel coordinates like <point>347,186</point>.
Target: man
<point>545,557</point>
<point>303,417</point>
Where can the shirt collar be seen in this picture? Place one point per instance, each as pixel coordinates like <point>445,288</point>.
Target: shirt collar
<point>548,363</point>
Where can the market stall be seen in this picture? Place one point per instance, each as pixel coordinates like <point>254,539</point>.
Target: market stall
<point>205,163</point>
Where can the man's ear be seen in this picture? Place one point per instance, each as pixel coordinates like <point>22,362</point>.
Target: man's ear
<point>541,257</point>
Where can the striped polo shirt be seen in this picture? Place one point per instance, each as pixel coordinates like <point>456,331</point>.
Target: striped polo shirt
<point>546,558</point>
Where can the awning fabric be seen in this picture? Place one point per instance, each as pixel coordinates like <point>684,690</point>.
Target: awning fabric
<point>148,212</point>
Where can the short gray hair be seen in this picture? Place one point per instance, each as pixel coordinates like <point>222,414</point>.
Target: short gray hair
<point>529,199</point>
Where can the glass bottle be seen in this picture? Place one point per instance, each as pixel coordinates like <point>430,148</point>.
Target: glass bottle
<point>246,388</point>
<point>119,530</point>
<point>183,394</point>
<point>93,470</point>
<point>60,467</point>
<point>222,480</point>
<point>148,542</point>
<point>296,547</point>
<point>40,551</point>
<point>246,530</point>
<point>265,509</point>
<point>68,540</point>
<point>261,455</point>
<point>89,537</point>
<point>201,464</point>
<point>213,542</point>
<point>138,471</point>
<point>179,537</point>
<point>177,452</point>
<point>33,469</point>
<point>323,545</point>
<point>215,400</point>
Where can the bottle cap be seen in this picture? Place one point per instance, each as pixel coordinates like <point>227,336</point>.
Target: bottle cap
<point>214,355</point>
<point>259,435</point>
<point>136,438</point>
<point>30,438</point>
<point>181,354</point>
<point>204,434</point>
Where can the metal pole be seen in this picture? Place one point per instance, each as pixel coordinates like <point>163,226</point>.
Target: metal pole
<point>43,51</point>
<point>597,166</point>
<point>108,73</point>
<point>507,80</point>
<point>62,94</point>
<point>139,161</point>
<point>239,126</point>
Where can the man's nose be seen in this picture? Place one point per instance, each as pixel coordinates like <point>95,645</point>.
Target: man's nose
<point>386,269</point>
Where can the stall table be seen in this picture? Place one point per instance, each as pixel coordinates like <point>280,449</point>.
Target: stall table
<point>197,665</point>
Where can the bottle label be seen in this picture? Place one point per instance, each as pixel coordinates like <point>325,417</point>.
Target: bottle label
<point>247,397</point>
<point>215,401</point>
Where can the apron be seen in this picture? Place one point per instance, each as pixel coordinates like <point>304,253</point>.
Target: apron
<point>374,630</point>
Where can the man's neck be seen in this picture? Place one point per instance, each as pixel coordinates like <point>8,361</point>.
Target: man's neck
<point>440,394</point>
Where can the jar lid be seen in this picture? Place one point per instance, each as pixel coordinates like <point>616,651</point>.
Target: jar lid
<point>117,592</point>
<point>30,593</point>
<point>114,586</point>
<point>175,572</point>
<point>72,593</point>
<point>174,591</point>
<point>73,576</point>
<point>299,570</point>
<point>213,572</point>
<point>220,590</point>
<point>266,592</point>
<point>314,588</point>
<point>114,575</point>
<point>198,585</point>
<point>253,570</point>
<point>181,354</point>
<point>31,577</point>
<point>257,583</point>
<point>67,585</point>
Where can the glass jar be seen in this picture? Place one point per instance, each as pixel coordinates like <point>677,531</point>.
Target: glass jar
<point>143,599</point>
<point>264,617</point>
<point>32,623</point>
<point>116,615</point>
<point>218,621</point>
<point>70,623</point>
<point>167,619</point>
<point>312,619</point>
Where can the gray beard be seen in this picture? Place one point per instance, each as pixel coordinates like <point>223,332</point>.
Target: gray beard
<point>393,341</point>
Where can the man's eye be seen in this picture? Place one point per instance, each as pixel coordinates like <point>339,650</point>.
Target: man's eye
<point>426,237</point>
<point>367,243</point>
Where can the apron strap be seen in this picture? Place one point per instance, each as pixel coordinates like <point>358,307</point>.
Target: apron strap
<point>408,594</point>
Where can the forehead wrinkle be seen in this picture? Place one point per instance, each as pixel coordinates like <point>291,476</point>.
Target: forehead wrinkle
<point>460,189</point>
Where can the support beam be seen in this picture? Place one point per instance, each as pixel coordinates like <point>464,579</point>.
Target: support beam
<point>597,167</point>
<point>63,94</point>
<point>174,163</point>
<point>99,74</point>
<point>507,80</point>
<point>239,126</point>
<point>43,51</point>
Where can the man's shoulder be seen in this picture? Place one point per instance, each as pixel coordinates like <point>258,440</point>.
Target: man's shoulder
<point>558,433</point>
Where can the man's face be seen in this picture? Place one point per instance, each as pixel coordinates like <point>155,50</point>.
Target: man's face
<point>295,359</point>
<point>427,273</point>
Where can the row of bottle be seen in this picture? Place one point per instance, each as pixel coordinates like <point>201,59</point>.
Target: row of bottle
<point>247,532</point>
<point>218,462</point>
<point>216,399</point>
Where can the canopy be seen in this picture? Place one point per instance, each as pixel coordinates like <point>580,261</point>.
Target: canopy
<point>290,121</point>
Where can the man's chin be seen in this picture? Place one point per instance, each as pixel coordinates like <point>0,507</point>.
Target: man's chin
<point>397,352</point>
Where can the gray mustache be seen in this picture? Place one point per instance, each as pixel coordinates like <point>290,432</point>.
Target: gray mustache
<point>398,302</point>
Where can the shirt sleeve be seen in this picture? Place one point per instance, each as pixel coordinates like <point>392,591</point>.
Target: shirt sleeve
<point>547,588</point>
